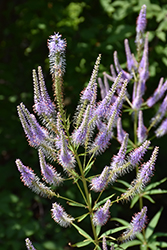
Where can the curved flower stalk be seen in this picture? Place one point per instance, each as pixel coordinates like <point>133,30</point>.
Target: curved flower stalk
<point>49,173</point>
<point>162,129</point>
<point>143,177</point>
<point>137,224</point>
<point>32,181</point>
<point>98,184</point>
<point>158,93</point>
<point>120,132</point>
<point>29,244</point>
<point>60,216</point>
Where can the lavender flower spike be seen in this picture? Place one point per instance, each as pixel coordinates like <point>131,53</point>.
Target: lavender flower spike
<point>32,181</point>
<point>141,25</point>
<point>57,48</point>
<point>49,172</point>
<point>158,93</point>
<point>141,131</point>
<point>104,244</point>
<point>60,216</point>
<point>131,64</point>
<point>136,226</point>
<point>42,102</point>
<point>162,129</point>
<point>147,169</point>
<point>102,214</point>
<point>99,183</point>
<point>29,244</point>
<point>136,155</point>
<point>143,177</point>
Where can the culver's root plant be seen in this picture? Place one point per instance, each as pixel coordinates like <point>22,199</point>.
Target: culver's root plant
<point>94,125</point>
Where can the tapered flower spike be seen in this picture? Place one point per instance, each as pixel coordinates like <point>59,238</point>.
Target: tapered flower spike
<point>140,27</point>
<point>120,132</point>
<point>88,95</point>
<point>158,93</point>
<point>57,47</point>
<point>104,105</point>
<point>146,170</point>
<point>137,224</point>
<point>82,134</point>
<point>142,130</point>
<point>29,244</point>
<point>42,102</point>
<point>131,64</point>
<point>144,67</point>
<point>102,215</point>
<point>88,92</point>
<point>102,88</point>
<point>49,173</point>
<point>34,132</point>
<point>143,177</point>
<point>125,75</point>
<point>60,216</point>
<point>161,112</point>
<point>32,181</point>
<point>119,159</point>
<point>137,154</point>
<point>98,184</point>
<point>162,129</point>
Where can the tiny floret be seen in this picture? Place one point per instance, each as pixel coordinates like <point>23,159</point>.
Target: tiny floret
<point>29,244</point>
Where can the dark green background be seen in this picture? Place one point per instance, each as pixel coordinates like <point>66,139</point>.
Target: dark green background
<point>90,28</point>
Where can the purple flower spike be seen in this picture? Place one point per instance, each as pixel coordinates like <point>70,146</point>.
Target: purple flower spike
<point>49,172</point>
<point>141,131</point>
<point>158,93</point>
<point>137,224</point>
<point>102,215</point>
<point>125,75</point>
<point>141,20</point>
<point>57,48</point>
<point>162,129</point>
<point>120,132</point>
<point>147,169</point>
<point>88,92</point>
<point>32,181</point>
<point>136,155</point>
<point>131,64</point>
<point>99,183</point>
<point>60,216</point>
<point>65,156</point>
<point>42,102</point>
<point>82,134</point>
<point>119,159</point>
<point>29,244</point>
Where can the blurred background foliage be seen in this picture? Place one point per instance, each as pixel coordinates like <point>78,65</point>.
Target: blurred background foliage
<point>90,28</point>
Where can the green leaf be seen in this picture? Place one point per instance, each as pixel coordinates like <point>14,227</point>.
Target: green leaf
<point>134,200</point>
<point>123,222</point>
<point>155,184</point>
<point>140,237</point>
<point>112,231</point>
<point>98,229</point>
<point>73,204</point>
<point>88,168</point>
<point>126,184</point>
<point>82,217</point>
<point>82,232</point>
<point>148,198</point>
<point>102,202</point>
<point>156,191</point>
<point>82,243</point>
<point>130,244</point>
<point>153,223</point>
<point>120,189</point>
